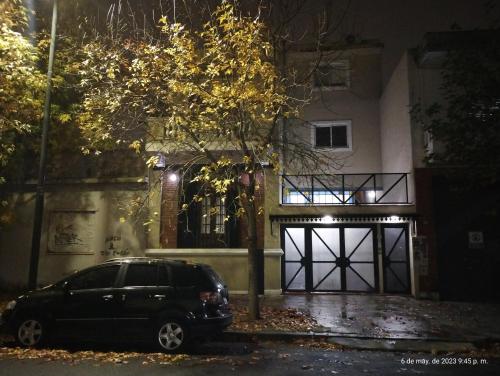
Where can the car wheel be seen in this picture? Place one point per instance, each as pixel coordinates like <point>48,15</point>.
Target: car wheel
<point>171,336</point>
<point>30,332</point>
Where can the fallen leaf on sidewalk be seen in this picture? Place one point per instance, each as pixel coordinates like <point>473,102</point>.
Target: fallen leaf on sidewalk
<point>279,319</point>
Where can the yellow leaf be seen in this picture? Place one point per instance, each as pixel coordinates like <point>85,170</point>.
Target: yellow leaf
<point>64,118</point>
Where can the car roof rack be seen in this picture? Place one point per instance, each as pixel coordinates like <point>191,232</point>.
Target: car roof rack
<point>144,258</point>
<point>130,258</point>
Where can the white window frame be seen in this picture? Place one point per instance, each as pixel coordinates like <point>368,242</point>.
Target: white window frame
<point>333,123</point>
<point>338,64</point>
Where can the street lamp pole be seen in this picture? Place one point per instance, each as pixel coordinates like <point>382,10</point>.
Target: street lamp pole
<point>40,188</point>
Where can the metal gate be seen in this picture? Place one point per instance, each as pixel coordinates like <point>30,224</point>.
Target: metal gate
<point>395,258</point>
<point>329,258</point>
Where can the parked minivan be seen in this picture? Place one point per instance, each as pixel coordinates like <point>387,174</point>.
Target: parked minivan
<point>168,303</point>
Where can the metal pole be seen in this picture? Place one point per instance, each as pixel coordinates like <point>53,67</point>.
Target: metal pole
<point>39,202</point>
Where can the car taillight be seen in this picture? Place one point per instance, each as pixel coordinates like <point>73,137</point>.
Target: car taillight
<point>209,297</point>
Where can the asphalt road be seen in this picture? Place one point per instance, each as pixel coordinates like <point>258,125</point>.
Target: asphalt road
<point>265,359</point>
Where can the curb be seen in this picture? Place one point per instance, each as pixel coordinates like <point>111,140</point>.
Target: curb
<point>271,335</point>
<point>357,342</point>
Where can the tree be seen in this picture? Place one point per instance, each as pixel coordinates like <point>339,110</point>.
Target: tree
<point>23,58</point>
<point>465,124</point>
<point>215,94</point>
<point>21,82</point>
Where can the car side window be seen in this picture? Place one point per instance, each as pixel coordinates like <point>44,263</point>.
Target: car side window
<point>141,275</point>
<point>163,277</point>
<point>187,276</point>
<point>95,279</point>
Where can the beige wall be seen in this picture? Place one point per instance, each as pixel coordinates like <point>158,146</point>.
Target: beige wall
<point>358,103</point>
<point>102,206</point>
<point>395,132</point>
<point>395,124</point>
<point>402,138</point>
<point>15,242</point>
<point>231,264</point>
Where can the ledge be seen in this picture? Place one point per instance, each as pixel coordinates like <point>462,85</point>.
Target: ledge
<point>235,252</point>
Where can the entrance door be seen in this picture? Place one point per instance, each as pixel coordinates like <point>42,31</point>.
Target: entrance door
<point>395,260</point>
<point>329,258</point>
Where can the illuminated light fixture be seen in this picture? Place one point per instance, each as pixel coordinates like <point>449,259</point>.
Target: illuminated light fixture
<point>371,195</point>
<point>172,177</point>
<point>394,218</point>
<point>160,162</point>
<point>327,219</point>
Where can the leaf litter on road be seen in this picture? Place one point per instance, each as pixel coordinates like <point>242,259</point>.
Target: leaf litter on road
<point>74,357</point>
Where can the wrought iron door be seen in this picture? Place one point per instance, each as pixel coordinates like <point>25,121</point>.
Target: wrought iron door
<point>295,260</point>
<point>395,259</point>
<point>329,258</point>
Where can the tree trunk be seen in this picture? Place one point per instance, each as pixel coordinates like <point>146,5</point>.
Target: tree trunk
<point>253,260</point>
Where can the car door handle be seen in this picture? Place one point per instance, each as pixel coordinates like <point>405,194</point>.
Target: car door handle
<point>159,296</point>
<point>107,297</point>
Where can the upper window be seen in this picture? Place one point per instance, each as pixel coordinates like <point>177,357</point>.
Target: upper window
<point>333,134</point>
<point>332,75</point>
<point>97,278</point>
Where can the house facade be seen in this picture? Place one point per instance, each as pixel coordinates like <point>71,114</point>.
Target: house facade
<point>347,228</point>
<point>361,224</point>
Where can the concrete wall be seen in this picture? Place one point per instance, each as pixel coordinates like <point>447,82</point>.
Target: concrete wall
<point>231,264</point>
<point>101,236</point>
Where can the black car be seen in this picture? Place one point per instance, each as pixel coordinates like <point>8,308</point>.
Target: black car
<point>166,302</point>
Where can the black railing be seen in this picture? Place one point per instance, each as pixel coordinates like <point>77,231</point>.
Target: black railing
<point>345,189</point>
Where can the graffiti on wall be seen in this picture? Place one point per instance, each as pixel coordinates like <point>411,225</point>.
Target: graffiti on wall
<point>114,247</point>
<point>71,232</point>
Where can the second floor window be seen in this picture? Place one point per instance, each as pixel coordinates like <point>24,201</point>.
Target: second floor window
<point>332,134</point>
<point>332,75</point>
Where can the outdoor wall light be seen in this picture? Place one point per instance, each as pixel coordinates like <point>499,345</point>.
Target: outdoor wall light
<point>172,177</point>
<point>327,219</point>
<point>160,162</point>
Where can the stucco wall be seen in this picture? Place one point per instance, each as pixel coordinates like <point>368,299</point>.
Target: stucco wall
<point>395,124</point>
<point>231,264</point>
<point>357,103</point>
<point>395,131</point>
<point>107,236</point>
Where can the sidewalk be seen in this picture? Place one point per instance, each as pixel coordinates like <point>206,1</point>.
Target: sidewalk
<point>390,317</point>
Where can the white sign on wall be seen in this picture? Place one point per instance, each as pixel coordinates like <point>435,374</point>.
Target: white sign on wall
<point>476,240</point>
<point>71,232</point>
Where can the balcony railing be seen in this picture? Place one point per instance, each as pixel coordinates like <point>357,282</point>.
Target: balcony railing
<point>345,189</point>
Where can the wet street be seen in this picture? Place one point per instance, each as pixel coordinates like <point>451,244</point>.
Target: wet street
<point>269,358</point>
<point>393,316</point>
